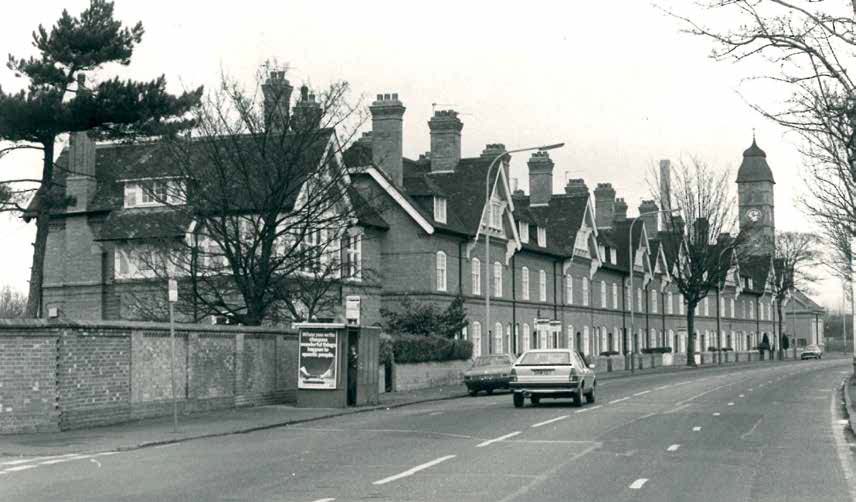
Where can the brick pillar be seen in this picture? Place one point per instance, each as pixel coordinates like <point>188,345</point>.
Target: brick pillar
<point>136,364</point>
<point>239,367</point>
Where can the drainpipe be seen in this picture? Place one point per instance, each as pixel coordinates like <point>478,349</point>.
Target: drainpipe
<point>555,294</point>
<point>460,268</point>
<point>514,302</point>
<point>663,316</point>
<point>647,320</point>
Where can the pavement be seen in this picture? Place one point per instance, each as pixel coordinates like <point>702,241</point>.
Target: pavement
<point>759,432</point>
<point>159,431</point>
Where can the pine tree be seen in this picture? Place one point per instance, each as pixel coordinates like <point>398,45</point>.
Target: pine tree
<point>56,102</point>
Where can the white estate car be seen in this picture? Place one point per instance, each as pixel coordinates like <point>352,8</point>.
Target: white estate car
<point>552,373</point>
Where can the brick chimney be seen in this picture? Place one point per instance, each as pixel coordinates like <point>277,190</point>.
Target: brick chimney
<point>80,181</point>
<point>540,179</point>
<point>387,136</point>
<point>491,150</point>
<point>445,129</point>
<point>620,210</point>
<point>651,220</point>
<point>604,204</point>
<point>307,111</point>
<point>277,99</point>
<point>576,187</point>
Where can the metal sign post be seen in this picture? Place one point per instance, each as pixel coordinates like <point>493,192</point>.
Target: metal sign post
<point>173,297</point>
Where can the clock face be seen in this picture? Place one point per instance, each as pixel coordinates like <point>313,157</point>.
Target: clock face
<point>753,214</point>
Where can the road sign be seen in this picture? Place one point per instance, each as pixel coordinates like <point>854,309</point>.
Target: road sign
<point>352,310</point>
<point>173,291</point>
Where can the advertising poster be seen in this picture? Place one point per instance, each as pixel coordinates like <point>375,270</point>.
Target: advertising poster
<point>318,360</point>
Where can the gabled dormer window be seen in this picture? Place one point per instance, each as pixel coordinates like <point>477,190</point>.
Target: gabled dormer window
<point>542,237</point>
<point>152,192</point>
<point>496,208</point>
<point>440,209</point>
<point>524,231</point>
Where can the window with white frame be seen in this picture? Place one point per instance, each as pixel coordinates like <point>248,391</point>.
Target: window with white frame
<point>440,209</point>
<point>670,306</point>
<point>527,341</point>
<point>615,296</point>
<point>613,256</point>
<point>706,306</point>
<point>733,310</point>
<point>654,300</point>
<point>722,306</point>
<point>524,231</point>
<point>603,294</point>
<point>497,279</point>
<point>441,271</point>
<point>542,286</point>
<point>542,236</point>
<point>524,282</point>
<point>476,339</point>
<point>496,209</point>
<point>639,300</point>
<point>571,338</point>
<point>682,305</point>
<point>152,192</point>
<point>585,291</point>
<point>353,256</point>
<point>497,338</point>
<point>751,310</point>
<point>569,289</point>
<point>476,276</point>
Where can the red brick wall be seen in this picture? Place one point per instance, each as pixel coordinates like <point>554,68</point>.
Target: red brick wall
<point>73,375</point>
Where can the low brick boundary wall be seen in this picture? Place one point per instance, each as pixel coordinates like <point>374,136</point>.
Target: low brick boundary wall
<point>423,375</point>
<point>67,375</point>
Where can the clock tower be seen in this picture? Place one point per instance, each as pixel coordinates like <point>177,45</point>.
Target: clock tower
<point>755,186</point>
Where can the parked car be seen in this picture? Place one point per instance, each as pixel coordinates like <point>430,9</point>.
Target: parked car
<point>552,373</point>
<point>811,352</point>
<point>488,373</point>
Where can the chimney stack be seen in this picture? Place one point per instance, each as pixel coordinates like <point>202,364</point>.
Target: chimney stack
<point>620,210</point>
<point>80,181</point>
<point>387,136</point>
<point>666,191</point>
<point>540,179</point>
<point>651,218</point>
<point>277,99</point>
<point>604,205</point>
<point>576,187</point>
<point>307,112</point>
<point>445,129</point>
<point>491,150</point>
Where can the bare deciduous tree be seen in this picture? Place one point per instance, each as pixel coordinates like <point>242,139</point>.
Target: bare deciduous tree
<point>698,242</point>
<point>795,260</point>
<point>271,212</point>
<point>13,303</point>
<point>804,47</point>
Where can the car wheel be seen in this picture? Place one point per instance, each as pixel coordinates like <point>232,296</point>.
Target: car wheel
<point>578,399</point>
<point>590,394</point>
<point>535,400</point>
<point>518,400</point>
<point>473,392</point>
<point>489,391</point>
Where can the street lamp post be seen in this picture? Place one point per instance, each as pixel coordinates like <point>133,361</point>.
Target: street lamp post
<point>488,211</point>
<point>631,270</point>
<point>718,305</point>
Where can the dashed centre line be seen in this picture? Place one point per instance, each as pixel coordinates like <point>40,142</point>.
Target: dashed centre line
<point>696,428</point>
<point>642,393</point>
<point>618,400</point>
<point>731,403</point>
<point>545,422</point>
<point>414,470</point>
<point>716,413</point>
<point>639,483</point>
<point>589,409</point>
<point>674,447</point>
<point>496,440</point>
<point>324,500</point>
<point>741,395</point>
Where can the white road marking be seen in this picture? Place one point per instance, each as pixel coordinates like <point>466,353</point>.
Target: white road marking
<point>95,462</point>
<point>589,409</point>
<point>750,390</point>
<point>844,457</point>
<point>618,400</point>
<point>674,447</point>
<point>324,500</point>
<point>432,414</point>
<point>642,393</point>
<point>36,459</point>
<point>731,403</point>
<point>696,428</point>
<point>61,460</point>
<point>716,413</point>
<point>545,422</point>
<point>414,470</point>
<point>20,468</point>
<point>496,440</point>
<point>742,395</point>
<point>662,387</point>
<point>750,431</point>
<point>639,483</point>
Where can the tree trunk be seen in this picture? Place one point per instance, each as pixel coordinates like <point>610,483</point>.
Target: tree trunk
<point>42,200</point>
<point>691,335</point>
<point>779,313</point>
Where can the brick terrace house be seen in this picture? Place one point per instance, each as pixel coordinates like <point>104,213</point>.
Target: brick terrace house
<point>559,263</point>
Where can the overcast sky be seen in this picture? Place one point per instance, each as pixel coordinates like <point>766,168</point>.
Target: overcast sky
<point>616,81</point>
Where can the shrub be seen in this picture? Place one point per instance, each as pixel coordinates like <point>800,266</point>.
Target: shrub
<point>657,350</point>
<point>420,349</point>
<point>609,353</point>
<point>385,351</point>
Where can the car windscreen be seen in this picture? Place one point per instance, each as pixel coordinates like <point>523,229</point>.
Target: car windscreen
<point>812,348</point>
<point>545,359</point>
<point>491,361</point>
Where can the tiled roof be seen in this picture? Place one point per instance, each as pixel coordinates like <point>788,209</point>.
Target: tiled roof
<point>562,218</point>
<point>754,166</point>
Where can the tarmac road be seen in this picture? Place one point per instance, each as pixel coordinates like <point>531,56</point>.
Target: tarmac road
<point>732,434</point>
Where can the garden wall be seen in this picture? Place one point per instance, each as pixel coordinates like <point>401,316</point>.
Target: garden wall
<point>66,375</point>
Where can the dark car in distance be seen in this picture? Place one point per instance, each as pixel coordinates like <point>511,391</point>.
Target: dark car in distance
<point>488,373</point>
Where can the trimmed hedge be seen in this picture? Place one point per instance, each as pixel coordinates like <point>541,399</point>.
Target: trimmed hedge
<point>715,349</point>
<point>421,349</point>
<point>657,350</point>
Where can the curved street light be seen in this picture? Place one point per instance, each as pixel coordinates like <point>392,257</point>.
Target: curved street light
<point>486,217</point>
